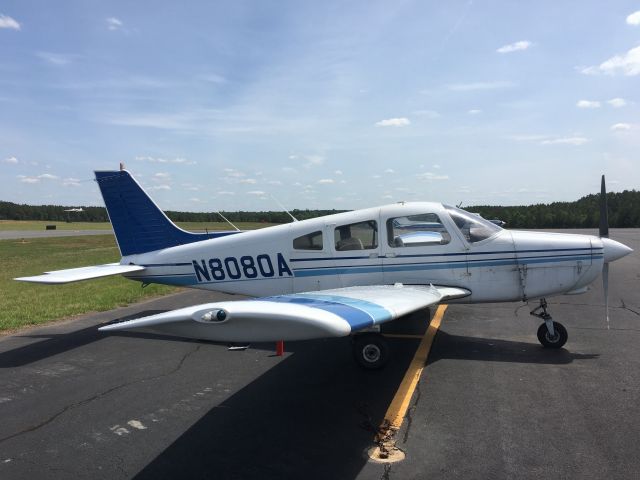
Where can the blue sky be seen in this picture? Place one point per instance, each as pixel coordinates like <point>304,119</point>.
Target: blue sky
<point>224,105</point>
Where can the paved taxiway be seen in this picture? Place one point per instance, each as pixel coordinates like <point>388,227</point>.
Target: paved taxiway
<point>76,403</point>
<point>17,234</point>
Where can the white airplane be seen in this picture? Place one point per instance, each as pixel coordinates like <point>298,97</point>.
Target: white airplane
<point>75,209</point>
<point>342,274</point>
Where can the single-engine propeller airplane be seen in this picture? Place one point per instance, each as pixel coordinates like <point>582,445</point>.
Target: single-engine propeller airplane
<point>342,274</point>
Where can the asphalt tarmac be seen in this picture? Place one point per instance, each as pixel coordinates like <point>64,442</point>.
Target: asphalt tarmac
<point>491,403</point>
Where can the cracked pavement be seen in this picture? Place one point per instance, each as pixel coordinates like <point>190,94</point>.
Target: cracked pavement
<point>78,403</point>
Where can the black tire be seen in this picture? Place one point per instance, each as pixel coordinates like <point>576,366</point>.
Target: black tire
<point>557,341</point>
<point>371,350</point>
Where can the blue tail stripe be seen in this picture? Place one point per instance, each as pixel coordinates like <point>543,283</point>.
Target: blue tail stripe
<point>139,225</point>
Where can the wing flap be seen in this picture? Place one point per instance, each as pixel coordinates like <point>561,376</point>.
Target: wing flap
<point>83,273</point>
<point>301,316</point>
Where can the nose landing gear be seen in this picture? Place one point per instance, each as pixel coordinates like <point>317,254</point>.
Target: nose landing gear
<point>550,334</point>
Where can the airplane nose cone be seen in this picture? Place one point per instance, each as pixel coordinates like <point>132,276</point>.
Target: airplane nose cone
<point>614,250</point>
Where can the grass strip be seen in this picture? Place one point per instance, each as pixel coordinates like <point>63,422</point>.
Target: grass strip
<point>23,304</point>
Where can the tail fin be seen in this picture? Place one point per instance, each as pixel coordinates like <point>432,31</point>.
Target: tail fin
<point>139,225</point>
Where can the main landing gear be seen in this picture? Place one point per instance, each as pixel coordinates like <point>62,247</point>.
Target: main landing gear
<point>550,334</point>
<point>371,350</point>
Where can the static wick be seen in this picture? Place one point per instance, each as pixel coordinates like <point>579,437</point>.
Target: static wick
<point>121,166</point>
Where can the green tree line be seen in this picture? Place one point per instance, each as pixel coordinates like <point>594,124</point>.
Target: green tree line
<point>624,212</point>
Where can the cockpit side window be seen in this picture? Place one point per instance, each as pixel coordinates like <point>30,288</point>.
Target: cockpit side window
<point>417,231</point>
<point>311,241</point>
<point>356,236</point>
<point>473,227</point>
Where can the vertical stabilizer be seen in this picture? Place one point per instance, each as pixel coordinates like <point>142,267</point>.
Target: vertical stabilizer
<point>139,225</point>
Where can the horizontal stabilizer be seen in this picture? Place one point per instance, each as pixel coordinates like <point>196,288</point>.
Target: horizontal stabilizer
<point>300,316</point>
<point>82,273</point>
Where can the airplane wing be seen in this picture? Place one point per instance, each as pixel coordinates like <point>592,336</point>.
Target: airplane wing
<point>300,316</point>
<point>82,273</point>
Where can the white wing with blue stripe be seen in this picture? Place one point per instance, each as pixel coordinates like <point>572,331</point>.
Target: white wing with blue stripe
<point>300,316</point>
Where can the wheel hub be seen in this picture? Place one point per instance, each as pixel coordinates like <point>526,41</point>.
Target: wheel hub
<point>371,353</point>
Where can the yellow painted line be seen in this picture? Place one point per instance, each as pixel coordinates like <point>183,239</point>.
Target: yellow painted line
<point>401,335</point>
<point>400,404</point>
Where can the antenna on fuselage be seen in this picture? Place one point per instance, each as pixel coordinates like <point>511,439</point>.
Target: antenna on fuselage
<point>227,220</point>
<point>283,207</point>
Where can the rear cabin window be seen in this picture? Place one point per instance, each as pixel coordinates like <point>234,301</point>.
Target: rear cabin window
<point>357,236</point>
<point>420,230</point>
<point>311,241</point>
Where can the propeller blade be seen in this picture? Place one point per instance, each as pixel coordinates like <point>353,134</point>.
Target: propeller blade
<point>605,286</point>
<point>604,216</point>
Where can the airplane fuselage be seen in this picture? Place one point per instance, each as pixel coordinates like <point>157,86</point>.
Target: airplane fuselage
<point>411,243</point>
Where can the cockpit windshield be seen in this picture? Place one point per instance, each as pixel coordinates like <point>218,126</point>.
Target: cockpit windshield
<point>473,226</point>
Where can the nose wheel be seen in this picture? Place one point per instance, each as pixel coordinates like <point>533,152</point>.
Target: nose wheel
<point>370,350</point>
<point>550,334</point>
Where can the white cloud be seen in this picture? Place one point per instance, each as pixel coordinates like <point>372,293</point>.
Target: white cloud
<point>528,137</point>
<point>248,181</point>
<point>436,166</point>
<point>474,112</point>
<point>256,192</point>
<point>627,64</point>
<point>621,127</point>
<point>71,182</point>
<point>24,179</point>
<point>431,176</point>
<point>232,172</point>
<point>212,78</point>
<point>325,181</point>
<point>634,18</point>
<point>160,187</point>
<point>576,141</point>
<point>314,160</point>
<point>389,170</point>
<point>224,192</point>
<point>338,172</point>
<point>394,122</point>
<point>48,176</point>
<point>58,59</point>
<point>274,182</point>
<point>376,176</point>
<point>514,47</point>
<point>310,161</point>
<point>588,104</point>
<point>161,176</point>
<point>114,23</point>
<point>177,160</point>
<point>13,160</point>
<point>467,87</point>
<point>8,22</point>
<point>617,102</point>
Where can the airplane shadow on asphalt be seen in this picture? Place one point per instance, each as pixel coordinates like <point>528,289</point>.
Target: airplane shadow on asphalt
<point>448,346</point>
<point>313,415</point>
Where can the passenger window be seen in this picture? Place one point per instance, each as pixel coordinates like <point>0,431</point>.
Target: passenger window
<point>311,241</point>
<point>417,231</point>
<point>357,236</point>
